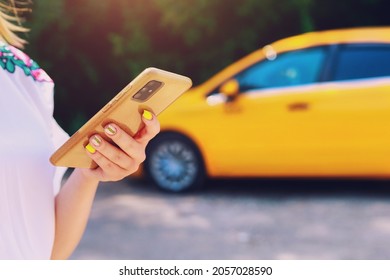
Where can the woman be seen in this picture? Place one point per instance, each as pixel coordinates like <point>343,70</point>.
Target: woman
<point>38,220</point>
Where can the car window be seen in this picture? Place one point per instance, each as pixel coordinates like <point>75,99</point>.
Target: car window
<point>287,69</point>
<point>363,61</point>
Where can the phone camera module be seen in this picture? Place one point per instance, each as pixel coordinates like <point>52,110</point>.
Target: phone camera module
<point>148,90</point>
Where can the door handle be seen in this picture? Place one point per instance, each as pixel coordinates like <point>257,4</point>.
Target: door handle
<point>298,106</point>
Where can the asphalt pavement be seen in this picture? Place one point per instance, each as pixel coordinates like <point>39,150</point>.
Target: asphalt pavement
<point>241,219</point>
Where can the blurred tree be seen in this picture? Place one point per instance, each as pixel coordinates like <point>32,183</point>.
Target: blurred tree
<point>306,20</point>
<point>93,48</point>
<point>329,14</point>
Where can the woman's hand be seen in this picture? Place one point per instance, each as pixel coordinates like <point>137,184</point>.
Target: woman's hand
<point>116,163</point>
<point>74,201</point>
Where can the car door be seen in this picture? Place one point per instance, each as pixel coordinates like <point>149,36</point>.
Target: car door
<point>267,129</point>
<point>354,116</point>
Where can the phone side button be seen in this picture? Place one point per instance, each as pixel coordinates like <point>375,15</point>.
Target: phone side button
<point>128,87</point>
<point>105,109</point>
<point>119,96</point>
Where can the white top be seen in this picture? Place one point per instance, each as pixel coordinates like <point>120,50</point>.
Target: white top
<point>29,135</point>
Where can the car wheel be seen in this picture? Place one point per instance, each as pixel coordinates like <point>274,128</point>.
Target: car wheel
<point>174,163</point>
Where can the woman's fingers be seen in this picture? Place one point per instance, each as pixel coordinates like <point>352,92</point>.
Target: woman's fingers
<point>115,163</point>
<point>150,130</point>
<point>108,153</point>
<point>107,170</point>
<point>127,144</point>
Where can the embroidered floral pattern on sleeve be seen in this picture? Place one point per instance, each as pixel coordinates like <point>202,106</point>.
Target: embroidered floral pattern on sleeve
<point>11,57</point>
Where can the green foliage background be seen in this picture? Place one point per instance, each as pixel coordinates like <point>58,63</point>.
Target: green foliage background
<point>93,48</point>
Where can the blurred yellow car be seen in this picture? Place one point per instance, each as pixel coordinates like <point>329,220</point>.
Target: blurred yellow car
<point>313,105</point>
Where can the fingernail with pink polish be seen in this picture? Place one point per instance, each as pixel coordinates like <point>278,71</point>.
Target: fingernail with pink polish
<point>96,141</point>
<point>110,130</point>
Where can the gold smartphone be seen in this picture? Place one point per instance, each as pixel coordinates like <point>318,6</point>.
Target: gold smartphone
<point>152,90</point>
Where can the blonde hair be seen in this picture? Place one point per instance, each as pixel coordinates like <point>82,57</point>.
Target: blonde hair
<point>10,24</point>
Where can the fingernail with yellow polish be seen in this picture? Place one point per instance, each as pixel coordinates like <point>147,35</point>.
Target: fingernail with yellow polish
<point>110,130</point>
<point>96,141</point>
<point>147,115</point>
<point>90,149</point>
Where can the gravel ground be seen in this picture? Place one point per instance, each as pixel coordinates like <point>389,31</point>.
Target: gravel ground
<point>241,219</point>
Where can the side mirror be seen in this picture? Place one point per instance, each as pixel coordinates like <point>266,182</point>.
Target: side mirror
<point>230,89</point>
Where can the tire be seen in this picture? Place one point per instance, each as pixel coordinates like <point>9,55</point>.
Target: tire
<point>174,163</point>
